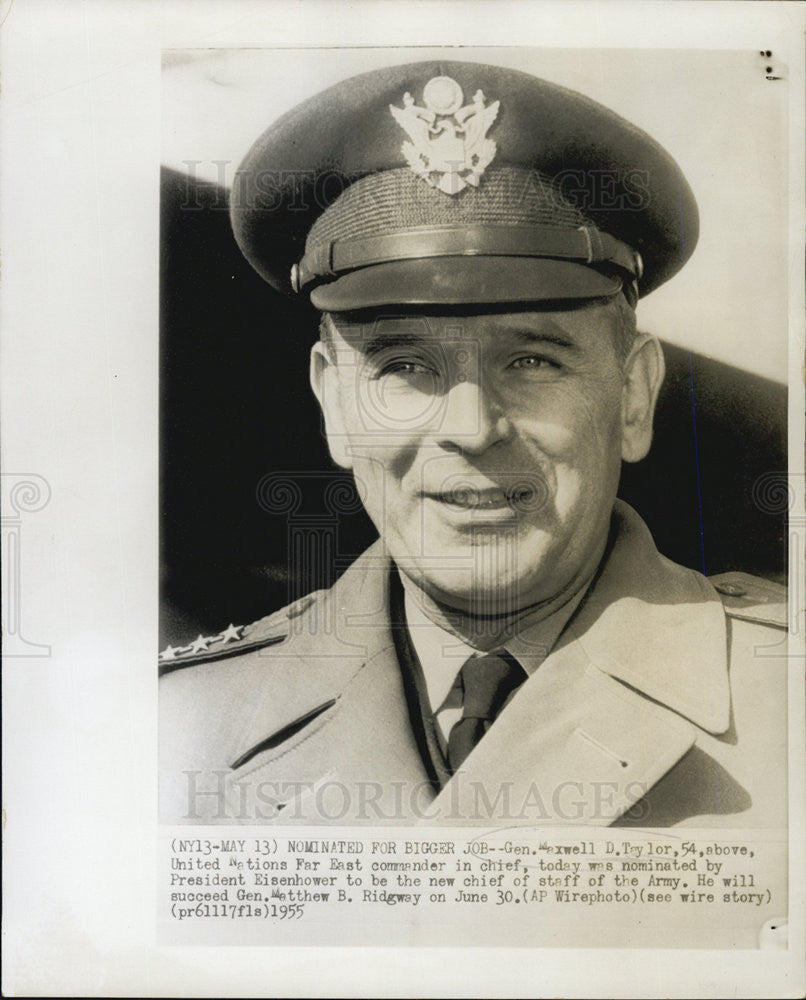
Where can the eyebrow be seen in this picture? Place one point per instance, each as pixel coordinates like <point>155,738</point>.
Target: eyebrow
<point>383,341</point>
<point>530,337</point>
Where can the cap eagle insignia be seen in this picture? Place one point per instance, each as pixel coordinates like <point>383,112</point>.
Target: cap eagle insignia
<point>449,147</point>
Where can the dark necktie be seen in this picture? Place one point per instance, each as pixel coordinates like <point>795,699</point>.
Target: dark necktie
<point>487,682</point>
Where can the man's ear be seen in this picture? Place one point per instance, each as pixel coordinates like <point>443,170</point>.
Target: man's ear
<point>643,377</point>
<point>325,385</point>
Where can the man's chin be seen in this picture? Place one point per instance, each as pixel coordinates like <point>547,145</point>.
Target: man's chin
<point>465,593</point>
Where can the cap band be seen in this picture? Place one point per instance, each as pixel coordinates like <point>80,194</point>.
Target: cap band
<point>586,245</point>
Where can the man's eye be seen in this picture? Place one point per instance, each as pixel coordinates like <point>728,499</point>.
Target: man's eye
<point>406,367</point>
<point>534,361</point>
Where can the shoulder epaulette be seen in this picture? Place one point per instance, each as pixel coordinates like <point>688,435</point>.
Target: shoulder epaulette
<point>752,598</point>
<point>236,639</point>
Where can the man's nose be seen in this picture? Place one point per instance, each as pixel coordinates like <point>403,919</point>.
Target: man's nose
<point>472,419</point>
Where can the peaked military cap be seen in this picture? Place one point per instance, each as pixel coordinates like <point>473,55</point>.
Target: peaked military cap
<point>459,183</point>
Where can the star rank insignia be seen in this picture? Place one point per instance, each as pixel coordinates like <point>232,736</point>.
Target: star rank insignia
<point>230,633</point>
<point>201,644</point>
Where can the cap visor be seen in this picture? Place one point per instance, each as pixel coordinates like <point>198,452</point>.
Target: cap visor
<point>463,281</point>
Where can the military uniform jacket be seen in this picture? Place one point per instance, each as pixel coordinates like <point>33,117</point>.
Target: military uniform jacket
<point>662,704</point>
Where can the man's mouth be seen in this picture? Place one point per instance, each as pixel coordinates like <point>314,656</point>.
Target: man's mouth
<point>516,498</point>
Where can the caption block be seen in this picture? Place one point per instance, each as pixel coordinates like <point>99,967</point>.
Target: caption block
<point>513,888</point>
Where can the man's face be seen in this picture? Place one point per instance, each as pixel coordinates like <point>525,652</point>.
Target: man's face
<point>486,448</point>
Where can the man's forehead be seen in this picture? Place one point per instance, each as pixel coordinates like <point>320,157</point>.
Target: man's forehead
<point>562,325</point>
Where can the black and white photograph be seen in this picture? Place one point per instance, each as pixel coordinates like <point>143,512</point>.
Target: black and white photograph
<point>403,539</point>
<point>475,242</point>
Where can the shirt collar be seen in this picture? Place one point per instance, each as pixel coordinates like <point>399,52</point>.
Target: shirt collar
<point>442,654</point>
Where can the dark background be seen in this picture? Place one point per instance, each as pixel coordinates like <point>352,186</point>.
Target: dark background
<point>236,408</point>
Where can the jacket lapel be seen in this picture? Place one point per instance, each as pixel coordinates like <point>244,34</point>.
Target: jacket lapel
<point>341,713</point>
<point>658,627</point>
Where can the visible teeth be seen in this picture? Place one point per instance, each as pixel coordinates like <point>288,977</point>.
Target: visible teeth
<point>522,497</point>
<point>466,498</point>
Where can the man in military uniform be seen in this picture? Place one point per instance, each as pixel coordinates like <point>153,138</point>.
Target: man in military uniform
<point>513,649</point>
